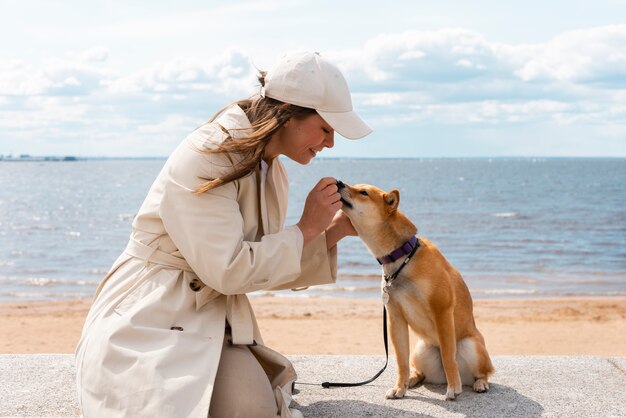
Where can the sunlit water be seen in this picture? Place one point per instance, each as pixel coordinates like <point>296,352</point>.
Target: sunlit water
<point>513,227</point>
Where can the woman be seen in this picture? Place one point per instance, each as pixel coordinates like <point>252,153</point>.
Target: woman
<point>171,332</point>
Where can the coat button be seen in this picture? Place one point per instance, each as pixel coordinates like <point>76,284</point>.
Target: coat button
<point>195,285</point>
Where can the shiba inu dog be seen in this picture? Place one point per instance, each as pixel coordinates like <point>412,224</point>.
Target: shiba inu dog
<point>423,291</point>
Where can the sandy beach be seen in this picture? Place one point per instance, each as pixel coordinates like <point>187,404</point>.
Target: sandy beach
<point>564,326</point>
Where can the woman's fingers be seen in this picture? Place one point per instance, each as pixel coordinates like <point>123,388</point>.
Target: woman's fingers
<point>331,191</point>
<point>325,182</point>
<point>327,189</point>
<point>327,186</point>
<point>321,205</point>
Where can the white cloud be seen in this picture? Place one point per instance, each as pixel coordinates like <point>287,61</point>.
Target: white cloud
<point>380,99</point>
<point>414,58</point>
<point>404,59</point>
<point>486,112</point>
<point>227,74</point>
<point>589,55</point>
<point>172,127</point>
<point>447,77</point>
<point>72,76</point>
<point>95,55</point>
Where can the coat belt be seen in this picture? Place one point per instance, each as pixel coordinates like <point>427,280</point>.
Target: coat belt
<point>154,255</point>
<point>238,308</point>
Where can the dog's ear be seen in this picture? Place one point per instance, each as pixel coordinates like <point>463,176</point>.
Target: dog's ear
<point>392,199</point>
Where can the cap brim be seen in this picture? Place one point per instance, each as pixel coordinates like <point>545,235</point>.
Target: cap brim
<point>347,124</point>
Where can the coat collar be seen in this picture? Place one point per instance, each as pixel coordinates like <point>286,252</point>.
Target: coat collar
<point>235,121</point>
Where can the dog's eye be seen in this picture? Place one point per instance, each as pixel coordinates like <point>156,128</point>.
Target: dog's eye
<point>363,192</point>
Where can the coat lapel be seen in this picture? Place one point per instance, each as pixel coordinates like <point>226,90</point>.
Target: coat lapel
<point>263,213</point>
<point>274,198</point>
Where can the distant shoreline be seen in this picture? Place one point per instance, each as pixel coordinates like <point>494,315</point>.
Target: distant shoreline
<point>28,158</point>
<point>53,158</point>
<point>45,159</point>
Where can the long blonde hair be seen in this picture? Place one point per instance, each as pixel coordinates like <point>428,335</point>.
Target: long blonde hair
<point>266,116</point>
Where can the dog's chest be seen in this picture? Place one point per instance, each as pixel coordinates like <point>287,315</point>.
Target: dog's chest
<point>409,301</point>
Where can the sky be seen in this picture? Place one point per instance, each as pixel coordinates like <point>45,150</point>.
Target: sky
<point>439,78</point>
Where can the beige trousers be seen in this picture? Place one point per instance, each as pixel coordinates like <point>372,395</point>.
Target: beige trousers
<point>242,388</point>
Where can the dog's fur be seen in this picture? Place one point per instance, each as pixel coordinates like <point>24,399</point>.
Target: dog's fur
<point>429,296</point>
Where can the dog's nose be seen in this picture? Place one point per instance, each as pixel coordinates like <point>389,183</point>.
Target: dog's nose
<point>340,185</point>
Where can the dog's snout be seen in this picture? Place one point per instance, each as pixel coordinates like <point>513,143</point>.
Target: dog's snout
<point>340,188</point>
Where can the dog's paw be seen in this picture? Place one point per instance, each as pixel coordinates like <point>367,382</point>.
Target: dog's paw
<point>452,392</point>
<point>481,386</point>
<point>395,393</point>
<point>416,378</point>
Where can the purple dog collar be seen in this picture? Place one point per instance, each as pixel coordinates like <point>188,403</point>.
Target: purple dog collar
<point>403,250</point>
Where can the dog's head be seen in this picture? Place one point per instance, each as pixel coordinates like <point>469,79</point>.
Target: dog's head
<point>375,215</point>
<point>367,206</point>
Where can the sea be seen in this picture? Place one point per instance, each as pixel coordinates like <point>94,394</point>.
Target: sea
<point>513,227</point>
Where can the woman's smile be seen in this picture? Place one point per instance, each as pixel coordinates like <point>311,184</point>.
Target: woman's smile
<point>302,139</point>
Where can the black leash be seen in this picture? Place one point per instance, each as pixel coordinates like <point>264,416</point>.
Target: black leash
<point>388,280</point>
<point>346,385</point>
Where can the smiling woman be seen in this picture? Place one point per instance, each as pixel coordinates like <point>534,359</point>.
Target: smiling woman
<point>268,119</point>
<point>171,331</point>
<point>301,139</point>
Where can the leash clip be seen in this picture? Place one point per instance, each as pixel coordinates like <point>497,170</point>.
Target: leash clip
<point>385,296</point>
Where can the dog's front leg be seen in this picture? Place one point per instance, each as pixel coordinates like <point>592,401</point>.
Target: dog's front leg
<point>444,321</point>
<point>399,331</point>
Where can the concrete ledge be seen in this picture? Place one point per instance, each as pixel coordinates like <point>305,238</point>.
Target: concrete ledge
<point>43,385</point>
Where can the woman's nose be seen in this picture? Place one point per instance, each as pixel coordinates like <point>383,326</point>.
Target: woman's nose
<point>329,141</point>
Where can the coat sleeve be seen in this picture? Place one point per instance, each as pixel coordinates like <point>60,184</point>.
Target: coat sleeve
<point>208,230</point>
<point>317,265</point>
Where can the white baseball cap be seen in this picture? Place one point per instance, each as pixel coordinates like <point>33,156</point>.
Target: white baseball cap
<point>307,79</point>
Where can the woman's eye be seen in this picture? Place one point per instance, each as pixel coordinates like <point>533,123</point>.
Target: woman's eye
<point>363,192</point>
<point>325,130</point>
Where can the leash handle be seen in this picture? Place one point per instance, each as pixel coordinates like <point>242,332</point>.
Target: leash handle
<point>344,385</point>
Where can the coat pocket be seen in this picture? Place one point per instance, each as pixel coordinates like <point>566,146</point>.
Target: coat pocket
<point>152,286</point>
<point>133,295</point>
<point>144,284</point>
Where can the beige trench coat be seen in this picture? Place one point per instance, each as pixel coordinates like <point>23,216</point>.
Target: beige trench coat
<point>152,340</point>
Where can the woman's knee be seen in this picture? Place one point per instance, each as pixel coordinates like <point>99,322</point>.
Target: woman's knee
<point>241,387</point>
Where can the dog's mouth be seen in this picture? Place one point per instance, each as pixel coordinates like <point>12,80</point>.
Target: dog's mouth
<point>346,203</point>
<point>342,189</point>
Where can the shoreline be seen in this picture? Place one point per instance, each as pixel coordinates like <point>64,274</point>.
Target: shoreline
<point>316,325</point>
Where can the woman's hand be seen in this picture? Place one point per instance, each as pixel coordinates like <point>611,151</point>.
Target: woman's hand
<point>339,228</point>
<point>320,208</point>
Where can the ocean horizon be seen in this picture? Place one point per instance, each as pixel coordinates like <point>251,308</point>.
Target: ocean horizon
<point>513,226</point>
<point>320,158</point>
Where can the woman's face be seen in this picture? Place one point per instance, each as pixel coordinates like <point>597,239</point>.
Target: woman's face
<point>302,139</point>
